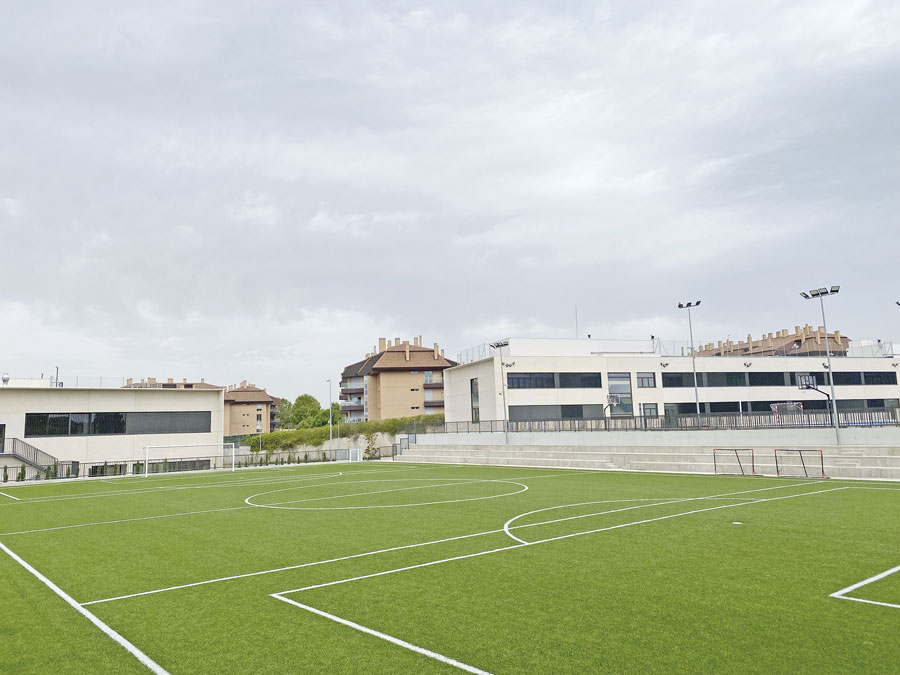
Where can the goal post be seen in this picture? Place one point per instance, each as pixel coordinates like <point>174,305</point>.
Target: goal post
<point>800,462</point>
<point>196,457</point>
<point>734,462</point>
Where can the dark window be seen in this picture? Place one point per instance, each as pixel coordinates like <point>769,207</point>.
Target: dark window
<point>572,412</point>
<point>167,422</point>
<point>79,424</point>
<point>678,380</point>
<point>107,423</point>
<point>530,413</point>
<point>847,378</point>
<point>473,393</point>
<point>851,404</point>
<point>36,424</point>
<point>530,380</point>
<point>58,424</point>
<point>620,383</point>
<point>880,378</point>
<point>686,408</point>
<point>875,403</point>
<point>761,406</point>
<point>766,379</point>
<point>580,380</point>
<point>725,380</point>
<point>724,407</point>
<point>646,380</point>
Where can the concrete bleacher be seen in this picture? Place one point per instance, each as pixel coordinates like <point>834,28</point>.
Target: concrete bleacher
<point>645,451</point>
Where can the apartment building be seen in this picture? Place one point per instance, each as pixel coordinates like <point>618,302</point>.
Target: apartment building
<point>536,379</point>
<point>805,341</point>
<point>396,379</point>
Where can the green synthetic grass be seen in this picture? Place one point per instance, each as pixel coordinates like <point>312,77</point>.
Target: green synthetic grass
<point>687,591</point>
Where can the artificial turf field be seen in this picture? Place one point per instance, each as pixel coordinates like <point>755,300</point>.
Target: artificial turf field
<point>391,567</point>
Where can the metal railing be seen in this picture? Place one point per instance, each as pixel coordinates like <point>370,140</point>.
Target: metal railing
<point>713,421</point>
<point>27,453</point>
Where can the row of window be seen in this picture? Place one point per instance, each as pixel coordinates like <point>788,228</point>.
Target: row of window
<point>775,379</point>
<point>112,423</point>
<point>736,379</point>
<point>532,413</point>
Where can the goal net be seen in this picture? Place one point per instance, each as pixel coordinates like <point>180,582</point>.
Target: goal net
<point>734,462</point>
<point>789,413</point>
<point>195,457</point>
<point>801,463</point>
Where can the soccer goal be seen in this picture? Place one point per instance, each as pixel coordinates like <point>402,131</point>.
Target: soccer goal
<point>788,413</point>
<point>802,463</point>
<point>734,462</point>
<point>194,457</point>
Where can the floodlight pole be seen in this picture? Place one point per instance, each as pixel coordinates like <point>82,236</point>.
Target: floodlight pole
<point>688,307</point>
<point>834,412</point>
<point>503,369</point>
<point>821,293</point>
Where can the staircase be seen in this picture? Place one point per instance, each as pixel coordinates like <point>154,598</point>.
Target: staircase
<point>25,452</point>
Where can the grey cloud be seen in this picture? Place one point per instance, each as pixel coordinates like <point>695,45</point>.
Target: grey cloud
<point>261,191</point>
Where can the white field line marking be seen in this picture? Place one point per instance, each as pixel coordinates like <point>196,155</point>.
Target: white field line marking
<point>247,480</point>
<point>842,594</point>
<point>400,643</point>
<point>235,508</point>
<point>674,500</point>
<point>360,555</point>
<point>10,496</point>
<point>134,651</point>
<point>123,520</point>
<point>278,505</point>
<point>559,538</point>
<point>168,488</point>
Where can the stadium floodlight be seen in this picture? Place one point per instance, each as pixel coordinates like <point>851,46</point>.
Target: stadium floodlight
<point>504,372</point>
<point>821,293</point>
<point>688,307</point>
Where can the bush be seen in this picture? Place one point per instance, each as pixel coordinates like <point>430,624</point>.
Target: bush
<point>21,475</point>
<point>5,473</point>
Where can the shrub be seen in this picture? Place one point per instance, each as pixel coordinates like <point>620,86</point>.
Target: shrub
<point>21,475</point>
<point>5,473</point>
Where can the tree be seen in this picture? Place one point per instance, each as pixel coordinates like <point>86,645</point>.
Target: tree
<point>304,407</point>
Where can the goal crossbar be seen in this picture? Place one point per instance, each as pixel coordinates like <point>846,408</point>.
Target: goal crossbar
<point>818,458</point>
<point>718,464</point>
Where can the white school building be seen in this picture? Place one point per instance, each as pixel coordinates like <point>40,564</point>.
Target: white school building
<point>529,380</point>
<point>96,425</point>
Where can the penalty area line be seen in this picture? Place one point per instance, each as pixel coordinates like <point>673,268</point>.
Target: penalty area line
<point>134,651</point>
<point>10,496</point>
<point>384,636</point>
<point>842,594</point>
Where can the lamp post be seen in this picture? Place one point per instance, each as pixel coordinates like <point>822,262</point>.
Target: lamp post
<point>688,307</point>
<point>504,367</point>
<point>329,416</point>
<point>821,293</point>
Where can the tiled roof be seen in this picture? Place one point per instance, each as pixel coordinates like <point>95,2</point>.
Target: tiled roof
<point>394,358</point>
<point>249,395</point>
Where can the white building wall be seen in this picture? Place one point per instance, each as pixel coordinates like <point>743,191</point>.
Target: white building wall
<point>16,402</point>
<point>458,407</point>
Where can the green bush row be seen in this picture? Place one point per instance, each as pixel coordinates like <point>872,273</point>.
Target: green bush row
<point>317,436</point>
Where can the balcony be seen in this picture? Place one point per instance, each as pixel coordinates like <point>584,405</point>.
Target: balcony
<point>351,407</point>
<point>351,390</point>
<point>434,404</point>
<point>434,385</point>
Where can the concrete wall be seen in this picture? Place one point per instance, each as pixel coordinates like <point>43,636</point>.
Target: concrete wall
<point>872,453</point>
<point>15,403</point>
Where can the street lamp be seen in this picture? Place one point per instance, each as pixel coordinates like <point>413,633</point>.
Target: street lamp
<point>821,293</point>
<point>330,410</point>
<point>688,307</point>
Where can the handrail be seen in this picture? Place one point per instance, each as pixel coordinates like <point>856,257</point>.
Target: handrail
<point>27,453</point>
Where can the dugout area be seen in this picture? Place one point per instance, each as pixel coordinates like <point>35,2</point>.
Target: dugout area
<point>346,568</point>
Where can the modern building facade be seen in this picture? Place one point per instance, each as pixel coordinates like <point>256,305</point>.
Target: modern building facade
<point>399,379</point>
<point>89,425</point>
<point>248,408</point>
<point>535,379</point>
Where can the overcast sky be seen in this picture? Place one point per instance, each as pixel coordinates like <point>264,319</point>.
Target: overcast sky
<point>261,190</point>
